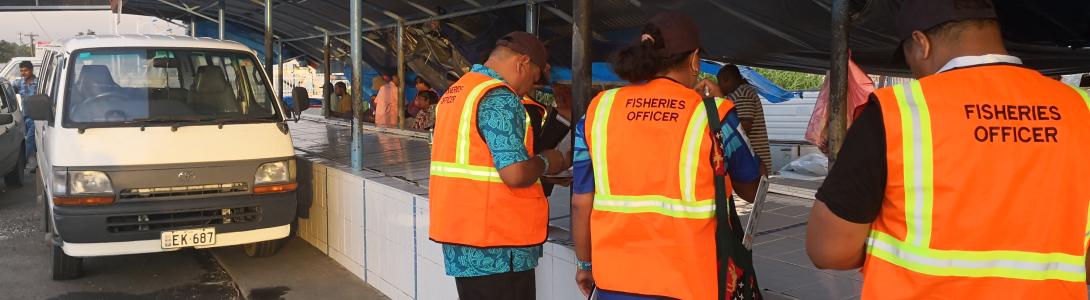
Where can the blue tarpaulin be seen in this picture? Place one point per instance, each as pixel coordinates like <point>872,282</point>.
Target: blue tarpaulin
<point>766,88</point>
<point>601,73</point>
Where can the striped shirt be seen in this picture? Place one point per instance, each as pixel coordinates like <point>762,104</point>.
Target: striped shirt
<point>748,106</point>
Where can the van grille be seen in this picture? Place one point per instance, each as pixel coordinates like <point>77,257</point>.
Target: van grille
<point>177,191</point>
<point>182,219</point>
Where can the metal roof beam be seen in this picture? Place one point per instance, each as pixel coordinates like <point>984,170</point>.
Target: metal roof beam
<point>189,10</point>
<point>384,11</point>
<point>429,19</point>
<point>53,7</point>
<point>421,8</point>
<point>433,13</point>
<point>559,13</point>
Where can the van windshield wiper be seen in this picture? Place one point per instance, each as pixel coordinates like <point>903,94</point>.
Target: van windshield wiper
<point>224,121</point>
<point>176,122</point>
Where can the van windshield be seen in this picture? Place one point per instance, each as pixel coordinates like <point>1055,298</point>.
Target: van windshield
<point>140,86</point>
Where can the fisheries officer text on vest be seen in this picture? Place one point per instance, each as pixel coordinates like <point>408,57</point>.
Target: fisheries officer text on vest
<point>658,110</point>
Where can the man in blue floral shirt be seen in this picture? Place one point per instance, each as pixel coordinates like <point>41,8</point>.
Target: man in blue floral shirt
<point>483,271</point>
<point>27,85</point>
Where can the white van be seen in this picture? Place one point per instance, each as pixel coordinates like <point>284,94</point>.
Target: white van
<point>158,143</point>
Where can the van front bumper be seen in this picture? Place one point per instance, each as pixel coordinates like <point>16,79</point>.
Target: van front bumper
<point>135,227</point>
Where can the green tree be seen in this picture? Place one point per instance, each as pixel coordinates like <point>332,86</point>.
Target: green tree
<point>11,49</point>
<point>792,81</point>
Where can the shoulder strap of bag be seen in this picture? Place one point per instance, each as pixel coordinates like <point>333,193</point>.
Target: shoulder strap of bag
<point>724,208</point>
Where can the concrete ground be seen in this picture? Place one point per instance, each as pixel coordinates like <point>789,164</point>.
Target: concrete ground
<point>25,263</point>
<point>299,271</point>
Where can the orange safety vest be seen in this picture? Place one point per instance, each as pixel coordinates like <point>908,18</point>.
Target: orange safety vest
<point>470,204</point>
<point>986,196</point>
<point>653,222</point>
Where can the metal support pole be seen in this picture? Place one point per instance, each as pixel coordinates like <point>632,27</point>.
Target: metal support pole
<point>268,37</point>
<point>356,20</point>
<point>280,71</point>
<point>531,17</point>
<point>400,74</point>
<point>837,125</point>
<point>192,27</point>
<point>223,7</point>
<point>580,53</point>
<point>326,69</point>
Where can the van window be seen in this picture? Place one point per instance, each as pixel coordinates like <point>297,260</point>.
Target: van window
<point>6,97</point>
<point>137,87</point>
<point>13,73</point>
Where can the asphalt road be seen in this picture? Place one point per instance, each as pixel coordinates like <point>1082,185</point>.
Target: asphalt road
<point>25,265</point>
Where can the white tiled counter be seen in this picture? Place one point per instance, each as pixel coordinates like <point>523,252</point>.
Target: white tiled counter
<point>377,228</point>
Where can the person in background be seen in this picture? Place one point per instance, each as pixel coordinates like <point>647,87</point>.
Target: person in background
<point>644,195</point>
<point>750,111</point>
<point>968,183</point>
<point>386,104</point>
<point>488,209</point>
<point>551,128</point>
<point>425,102</point>
<point>411,108</point>
<point>342,101</point>
<point>27,85</point>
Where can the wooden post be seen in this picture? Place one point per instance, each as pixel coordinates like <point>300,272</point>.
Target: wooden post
<point>581,65</point>
<point>837,117</point>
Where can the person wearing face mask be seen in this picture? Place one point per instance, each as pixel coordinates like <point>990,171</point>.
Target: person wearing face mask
<point>647,166</point>
<point>967,183</point>
<point>488,208</point>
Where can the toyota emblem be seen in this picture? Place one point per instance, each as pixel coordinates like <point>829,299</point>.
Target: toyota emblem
<point>186,176</point>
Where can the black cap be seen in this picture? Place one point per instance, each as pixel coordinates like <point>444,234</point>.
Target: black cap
<point>926,14</point>
<point>526,44</point>
<point>679,32</point>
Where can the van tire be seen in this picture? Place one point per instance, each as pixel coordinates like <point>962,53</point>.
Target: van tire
<point>263,249</point>
<point>17,174</point>
<point>66,267</point>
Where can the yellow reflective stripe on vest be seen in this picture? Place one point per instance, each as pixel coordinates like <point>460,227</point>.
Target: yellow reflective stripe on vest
<point>464,171</point>
<point>918,162</point>
<point>914,252</point>
<point>1005,264</point>
<point>688,207</point>
<point>470,106</point>
<point>1086,99</point>
<point>526,137</point>
<point>690,150</point>
<point>598,142</point>
<point>703,209</point>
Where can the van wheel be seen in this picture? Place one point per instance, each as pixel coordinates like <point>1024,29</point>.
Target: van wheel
<point>66,267</point>
<point>263,249</point>
<point>16,176</point>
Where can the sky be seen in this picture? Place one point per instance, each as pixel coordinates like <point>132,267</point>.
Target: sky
<point>56,25</point>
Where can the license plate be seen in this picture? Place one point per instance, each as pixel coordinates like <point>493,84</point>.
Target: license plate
<point>188,238</point>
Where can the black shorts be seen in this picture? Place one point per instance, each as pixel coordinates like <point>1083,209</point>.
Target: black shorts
<point>504,286</point>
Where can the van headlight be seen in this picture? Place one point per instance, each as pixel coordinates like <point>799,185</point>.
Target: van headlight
<point>80,188</point>
<point>275,172</point>
<point>81,183</point>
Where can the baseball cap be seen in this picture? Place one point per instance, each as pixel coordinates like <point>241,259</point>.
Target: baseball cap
<point>679,32</point>
<point>925,14</point>
<point>526,44</point>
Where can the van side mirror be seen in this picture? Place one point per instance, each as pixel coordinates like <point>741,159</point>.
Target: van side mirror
<point>301,98</point>
<point>38,108</point>
<point>6,119</point>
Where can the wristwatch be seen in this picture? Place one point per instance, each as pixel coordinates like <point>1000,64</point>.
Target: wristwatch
<point>546,161</point>
<point>582,265</point>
